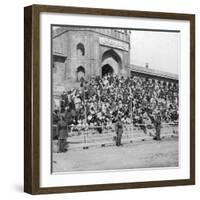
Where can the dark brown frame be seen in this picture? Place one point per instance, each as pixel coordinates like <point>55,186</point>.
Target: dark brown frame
<point>32,105</point>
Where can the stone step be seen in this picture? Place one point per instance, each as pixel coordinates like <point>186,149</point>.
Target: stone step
<point>106,141</point>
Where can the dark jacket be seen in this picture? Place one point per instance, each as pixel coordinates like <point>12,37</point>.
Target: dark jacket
<point>68,116</point>
<point>119,127</point>
<point>158,120</point>
<point>62,129</point>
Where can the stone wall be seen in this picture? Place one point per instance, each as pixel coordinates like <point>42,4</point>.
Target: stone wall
<point>85,48</point>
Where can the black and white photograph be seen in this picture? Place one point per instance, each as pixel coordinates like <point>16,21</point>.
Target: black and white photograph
<point>114,98</point>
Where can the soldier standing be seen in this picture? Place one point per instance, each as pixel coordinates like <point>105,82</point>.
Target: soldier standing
<point>119,131</point>
<point>157,124</point>
<point>156,120</point>
<point>62,136</point>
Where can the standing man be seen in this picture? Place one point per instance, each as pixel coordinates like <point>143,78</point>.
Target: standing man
<point>157,124</point>
<point>62,135</point>
<point>156,120</point>
<point>119,131</point>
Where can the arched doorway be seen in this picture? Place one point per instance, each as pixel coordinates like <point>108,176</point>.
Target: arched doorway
<point>107,69</point>
<point>80,73</point>
<point>111,63</point>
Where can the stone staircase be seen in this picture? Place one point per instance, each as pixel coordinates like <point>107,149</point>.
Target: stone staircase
<point>93,139</point>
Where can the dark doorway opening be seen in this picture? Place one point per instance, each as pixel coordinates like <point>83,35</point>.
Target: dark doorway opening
<point>107,69</point>
<point>80,73</point>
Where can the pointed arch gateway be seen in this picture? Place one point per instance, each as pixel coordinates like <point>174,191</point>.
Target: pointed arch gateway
<point>111,63</point>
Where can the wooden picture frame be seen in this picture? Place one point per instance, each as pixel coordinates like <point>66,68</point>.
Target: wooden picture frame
<point>32,98</point>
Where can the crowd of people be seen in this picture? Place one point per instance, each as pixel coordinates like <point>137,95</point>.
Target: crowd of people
<point>100,101</point>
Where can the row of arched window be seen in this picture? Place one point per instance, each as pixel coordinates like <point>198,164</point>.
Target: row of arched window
<point>80,51</point>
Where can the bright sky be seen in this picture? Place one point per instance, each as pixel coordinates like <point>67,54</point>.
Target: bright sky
<point>160,49</point>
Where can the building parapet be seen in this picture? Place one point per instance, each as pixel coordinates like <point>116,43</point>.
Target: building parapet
<point>153,72</point>
<point>118,34</point>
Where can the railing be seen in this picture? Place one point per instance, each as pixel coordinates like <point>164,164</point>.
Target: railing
<point>84,137</point>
